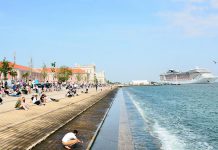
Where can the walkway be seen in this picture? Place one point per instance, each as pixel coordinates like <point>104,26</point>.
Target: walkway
<point>21,129</point>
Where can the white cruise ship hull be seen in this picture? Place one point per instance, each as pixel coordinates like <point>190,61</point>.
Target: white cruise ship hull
<point>194,81</point>
<point>195,76</point>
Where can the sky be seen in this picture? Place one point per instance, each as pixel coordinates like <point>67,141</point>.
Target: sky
<point>128,39</point>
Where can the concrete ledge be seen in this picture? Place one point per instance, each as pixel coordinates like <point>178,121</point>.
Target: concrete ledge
<point>125,136</point>
<point>98,129</point>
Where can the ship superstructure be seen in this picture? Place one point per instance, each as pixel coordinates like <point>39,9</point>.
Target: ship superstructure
<point>192,76</point>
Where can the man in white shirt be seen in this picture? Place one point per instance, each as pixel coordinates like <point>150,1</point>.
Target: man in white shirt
<point>35,99</point>
<point>70,139</point>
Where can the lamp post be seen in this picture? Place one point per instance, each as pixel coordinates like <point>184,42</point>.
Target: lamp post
<point>53,69</point>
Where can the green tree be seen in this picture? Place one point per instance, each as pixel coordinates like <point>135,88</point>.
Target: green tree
<point>44,72</point>
<point>13,74</point>
<point>64,74</point>
<point>5,68</point>
<point>25,76</point>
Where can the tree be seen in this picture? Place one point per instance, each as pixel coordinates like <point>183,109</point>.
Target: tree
<point>64,74</point>
<point>78,77</point>
<point>25,76</point>
<point>44,72</point>
<point>13,74</point>
<point>109,82</point>
<point>5,68</point>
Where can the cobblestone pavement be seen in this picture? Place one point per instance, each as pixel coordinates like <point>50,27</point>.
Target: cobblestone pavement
<point>21,129</point>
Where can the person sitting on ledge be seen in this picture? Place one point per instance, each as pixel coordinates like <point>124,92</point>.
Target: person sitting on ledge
<point>21,104</point>
<point>24,90</point>
<point>35,100</point>
<point>87,89</point>
<point>43,98</point>
<point>16,93</point>
<point>6,91</point>
<point>1,100</point>
<point>70,139</point>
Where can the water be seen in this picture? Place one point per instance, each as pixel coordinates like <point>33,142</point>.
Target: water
<point>107,138</point>
<point>183,117</point>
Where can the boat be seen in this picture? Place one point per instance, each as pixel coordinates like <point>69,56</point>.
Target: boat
<point>194,76</point>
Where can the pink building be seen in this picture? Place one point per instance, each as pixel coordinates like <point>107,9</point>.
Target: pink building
<point>36,74</point>
<point>21,70</point>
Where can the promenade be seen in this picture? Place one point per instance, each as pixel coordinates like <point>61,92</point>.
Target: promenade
<point>20,129</point>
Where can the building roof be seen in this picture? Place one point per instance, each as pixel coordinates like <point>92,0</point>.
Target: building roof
<point>16,66</point>
<point>78,71</point>
<point>74,71</point>
<point>48,70</point>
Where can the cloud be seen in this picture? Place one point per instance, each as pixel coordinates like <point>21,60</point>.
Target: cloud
<point>214,3</point>
<point>195,17</point>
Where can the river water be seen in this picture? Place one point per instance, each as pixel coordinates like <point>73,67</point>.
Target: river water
<point>183,117</point>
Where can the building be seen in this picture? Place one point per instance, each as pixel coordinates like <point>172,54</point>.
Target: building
<point>101,77</point>
<point>90,70</point>
<point>50,74</point>
<point>80,74</point>
<point>21,70</point>
<point>139,82</point>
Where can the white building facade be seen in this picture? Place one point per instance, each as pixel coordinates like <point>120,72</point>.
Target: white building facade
<point>89,69</point>
<point>101,77</point>
<point>140,82</point>
<point>92,74</point>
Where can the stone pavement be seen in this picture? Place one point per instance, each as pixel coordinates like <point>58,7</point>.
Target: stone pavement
<point>9,102</point>
<point>87,124</point>
<point>21,129</point>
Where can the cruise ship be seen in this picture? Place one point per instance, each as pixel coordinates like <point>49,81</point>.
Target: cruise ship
<point>194,76</point>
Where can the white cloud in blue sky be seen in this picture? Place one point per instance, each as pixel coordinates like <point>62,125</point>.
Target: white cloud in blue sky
<point>195,17</point>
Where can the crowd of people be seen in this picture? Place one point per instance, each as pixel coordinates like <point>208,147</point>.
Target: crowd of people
<point>37,91</point>
<point>21,88</point>
<point>38,97</point>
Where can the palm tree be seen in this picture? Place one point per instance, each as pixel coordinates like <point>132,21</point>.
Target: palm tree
<point>13,73</point>
<point>25,75</point>
<point>5,68</point>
